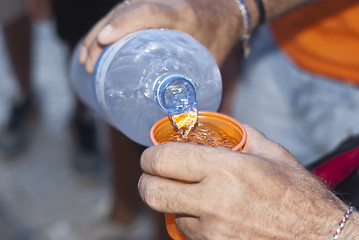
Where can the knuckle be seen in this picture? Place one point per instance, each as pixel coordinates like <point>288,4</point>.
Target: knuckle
<point>149,193</point>
<point>149,8</point>
<point>86,41</point>
<point>180,199</point>
<point>160,158</point>
<point>279,149</point>
<point>93,48</point>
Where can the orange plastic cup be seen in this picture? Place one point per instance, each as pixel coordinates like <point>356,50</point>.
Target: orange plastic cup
<point>226,124</point>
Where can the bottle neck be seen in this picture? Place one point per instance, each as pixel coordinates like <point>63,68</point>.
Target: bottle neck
<point>176,94</point>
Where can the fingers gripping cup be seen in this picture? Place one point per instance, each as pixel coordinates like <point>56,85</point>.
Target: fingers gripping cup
<point>213,129</point>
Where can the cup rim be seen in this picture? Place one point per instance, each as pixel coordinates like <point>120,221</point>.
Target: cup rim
<point>239,146</point>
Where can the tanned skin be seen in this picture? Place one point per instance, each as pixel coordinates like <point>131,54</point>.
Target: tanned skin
<point>262,192</point>
<point>215,23</point>
<point>259,193</point>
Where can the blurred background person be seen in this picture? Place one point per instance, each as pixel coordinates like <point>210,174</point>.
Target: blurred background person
<point>73,19</point>
<point>16,18</point>
<point>18,40</point>
<point>303,69</point>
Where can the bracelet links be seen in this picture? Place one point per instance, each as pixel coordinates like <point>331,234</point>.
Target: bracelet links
<point>342,223</point>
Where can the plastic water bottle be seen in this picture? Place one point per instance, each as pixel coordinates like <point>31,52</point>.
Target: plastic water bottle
<point>145,76</point>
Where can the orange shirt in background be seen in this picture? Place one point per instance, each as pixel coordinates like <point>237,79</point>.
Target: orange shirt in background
<point>323,38</point>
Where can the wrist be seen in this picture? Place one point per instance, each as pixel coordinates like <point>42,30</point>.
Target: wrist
<point>253,13</point>
<point>320,214</point>
<point>249,15</point>
<point>323,220</point>
<point>351,229</point>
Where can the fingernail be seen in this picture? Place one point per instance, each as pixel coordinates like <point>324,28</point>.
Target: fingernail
<point>105,32</point>
<point>83,55</point>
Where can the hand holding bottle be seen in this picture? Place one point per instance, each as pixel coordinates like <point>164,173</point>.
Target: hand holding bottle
<point>213,23</point>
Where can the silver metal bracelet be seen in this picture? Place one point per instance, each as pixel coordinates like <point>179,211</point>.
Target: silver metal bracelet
<point>246,35</point>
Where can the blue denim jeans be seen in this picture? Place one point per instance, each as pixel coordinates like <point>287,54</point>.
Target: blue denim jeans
<point>306,113</point>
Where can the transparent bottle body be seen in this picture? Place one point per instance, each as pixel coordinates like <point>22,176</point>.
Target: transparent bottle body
<point>127,87</point>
